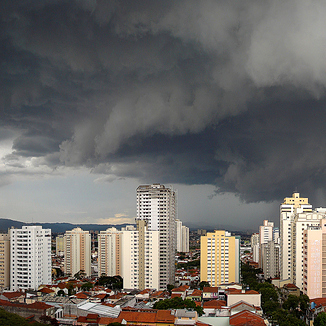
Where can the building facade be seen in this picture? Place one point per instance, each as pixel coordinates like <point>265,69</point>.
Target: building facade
<point>314,261</point>
<point>219,258</point>
<point>157,205</point>
<point>182,237</point>
<point>4,261</point>
<point>30,264</point>
<point>140,262</point>
<point>59,245</point>
<point>77,252</point>
<point>288,209</point>
<point>109,252</point>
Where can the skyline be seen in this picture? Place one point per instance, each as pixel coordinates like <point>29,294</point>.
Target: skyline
<point>223,101</point>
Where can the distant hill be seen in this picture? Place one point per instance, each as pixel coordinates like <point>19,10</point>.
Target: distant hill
<point>6,224</point>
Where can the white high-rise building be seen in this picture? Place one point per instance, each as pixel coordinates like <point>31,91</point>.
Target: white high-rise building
<point>30,262</point>
<point>288,209</point>
<point>255,247</point>
<point>157,205</point>
<point>109,252</point>
<point>266,232</point>
<point>185,239</point>
<point>182,237</point>
<point>139,258</point>
<point>77,244</point>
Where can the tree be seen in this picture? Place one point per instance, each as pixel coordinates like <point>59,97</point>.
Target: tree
<point>203,284</point>
<point>170,287</point>
<point>10,319</point>
<point>80,275</point>
<point>87,286</point>
<point>61,293</point>
<point>178,303</point>
<point>320,320</point>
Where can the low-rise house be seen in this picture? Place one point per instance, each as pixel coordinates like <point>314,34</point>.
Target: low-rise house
<point>154,318</point>
<point>215,308</point>
<point>181,291</point>
<point>250,296</point>
<point>195,295</point>
<point>13,296</point>
<point>38,309</point>
<point>90,319</point>
<point>288,289</point>
<point>143,295</point>
<point>241,306</point>
<point>185,317</point>
<point>211,292</point>
<point>246,317</point>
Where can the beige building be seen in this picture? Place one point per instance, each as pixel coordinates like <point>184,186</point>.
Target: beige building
<point>77,251</point>
<point>219,258</point>
<point>314,261</point>
<point>139,257</point>
<point>157,205</point>
<point>59,245</point>
<point>4,260</point>
<point>109,252</point>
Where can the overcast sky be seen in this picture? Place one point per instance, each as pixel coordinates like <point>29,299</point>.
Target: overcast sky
<point>224,100</point>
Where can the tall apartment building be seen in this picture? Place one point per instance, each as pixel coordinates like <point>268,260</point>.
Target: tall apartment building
<point>157,205</point>
<point>59,245</point>
<point>255,247</point>
<point>30,262</point>
<point>219,258</point>
<point>182,237</point>
<point>109,252</point>
<point>288,209</point>
<point>314,260</point>
<point>301,223</point>
<point>266,232</point>
<point>4,261</point>
<point>270,253</point>
<point>77,251</point>
<point>140,262</point>
<point>269,250</point>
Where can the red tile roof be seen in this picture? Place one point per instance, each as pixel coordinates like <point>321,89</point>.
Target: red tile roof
<point>290,286</point>
<point>46,290</point>
<point>13,295</point>
<point>176,295</point>
<point>210,289</point>
<point>196,293</point>
<point>246,318</point>
<point>214,304</point>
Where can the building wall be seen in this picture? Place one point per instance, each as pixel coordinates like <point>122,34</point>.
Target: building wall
<point>288,209</point>
<point>59,244</point>
<point>109,252</point>
<point>157,204</point>
<point>4,261</point>
<point>77,244</point>
<point>139,258</point>
<point>219,258</point>
<point>30,249</point>
<point>301,222</point>
<point>185,239</point>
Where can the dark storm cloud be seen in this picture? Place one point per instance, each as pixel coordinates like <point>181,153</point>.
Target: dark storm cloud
<point>215,92</point>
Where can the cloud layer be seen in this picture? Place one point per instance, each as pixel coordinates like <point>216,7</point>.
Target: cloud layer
<point>195,92</point>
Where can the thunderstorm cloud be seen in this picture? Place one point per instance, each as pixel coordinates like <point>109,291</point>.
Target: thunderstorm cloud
<point>227,93</point>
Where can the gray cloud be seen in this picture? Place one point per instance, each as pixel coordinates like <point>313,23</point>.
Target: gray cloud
<point>195,92</point>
